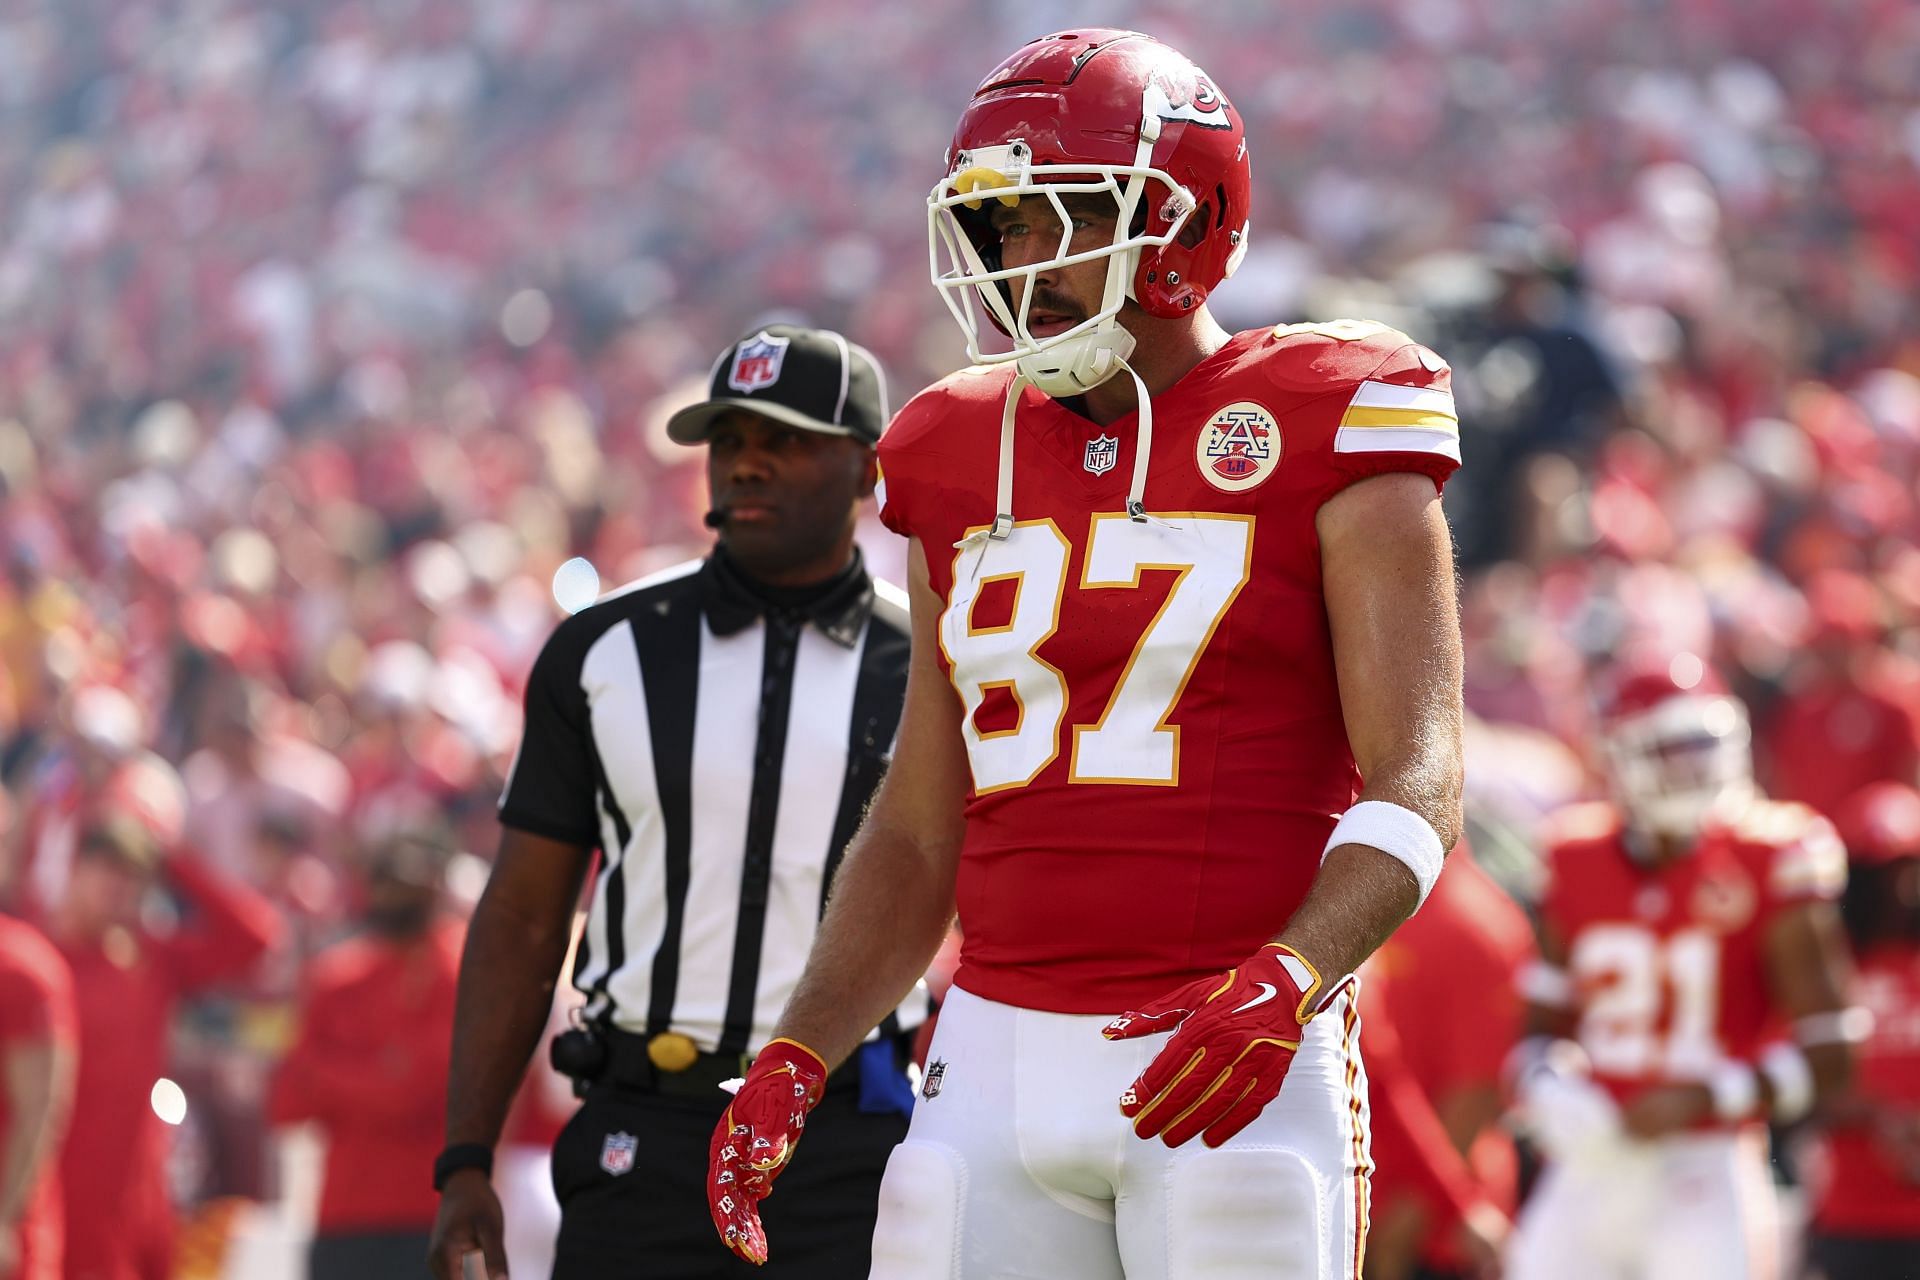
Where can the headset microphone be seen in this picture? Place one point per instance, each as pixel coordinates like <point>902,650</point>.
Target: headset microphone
<point>716,519</point>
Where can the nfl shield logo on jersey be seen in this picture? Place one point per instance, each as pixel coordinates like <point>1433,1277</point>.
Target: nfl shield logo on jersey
<point>936,1072</point>
<point>757,361</point>
<point>616,1153</point>
<point>1103,452</point>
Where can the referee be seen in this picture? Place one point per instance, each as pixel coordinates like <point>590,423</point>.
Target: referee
<point>715,731</point>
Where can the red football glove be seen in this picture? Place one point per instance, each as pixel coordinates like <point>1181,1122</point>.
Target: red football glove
<point>1237,1034</point>
<point>755,1139</point>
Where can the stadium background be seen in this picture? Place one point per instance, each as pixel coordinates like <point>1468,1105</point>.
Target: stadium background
<point>329,331</point>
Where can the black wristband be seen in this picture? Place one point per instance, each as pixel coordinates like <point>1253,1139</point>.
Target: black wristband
<point>459,1156</point>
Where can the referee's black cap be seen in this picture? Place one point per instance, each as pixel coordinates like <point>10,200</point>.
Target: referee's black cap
<point>813,379</point>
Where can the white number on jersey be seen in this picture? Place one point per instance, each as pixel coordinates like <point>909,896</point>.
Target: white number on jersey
<point>1642,983</point>
<point>1131,743</point>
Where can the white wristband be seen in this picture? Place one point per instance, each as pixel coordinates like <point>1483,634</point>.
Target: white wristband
<point>1736,1091</point>
<point>1842,1026</point>
<point>1790,1080</point>
<point>1396,831</point>
<point>1546,984</point>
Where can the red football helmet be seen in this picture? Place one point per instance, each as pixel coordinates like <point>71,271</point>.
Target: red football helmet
<point>1880,823</point>
<point>1089,111</point>
<point>1676,745</point>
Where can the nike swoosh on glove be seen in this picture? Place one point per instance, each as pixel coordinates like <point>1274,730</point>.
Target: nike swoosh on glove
<point>755,1139</point>
<point>1234,1036</point>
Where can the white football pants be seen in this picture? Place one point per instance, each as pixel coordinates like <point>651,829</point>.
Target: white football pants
<point>1697,1206</point>
<point>1021,1167</point>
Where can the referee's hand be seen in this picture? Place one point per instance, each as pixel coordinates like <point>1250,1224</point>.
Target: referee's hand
<point>469,1222</point>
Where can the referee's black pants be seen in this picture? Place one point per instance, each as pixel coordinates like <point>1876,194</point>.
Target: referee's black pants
<point>652,1223</point>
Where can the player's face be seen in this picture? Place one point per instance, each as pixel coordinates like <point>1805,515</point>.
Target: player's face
<point>1031,232</point>
<point>787,496</point>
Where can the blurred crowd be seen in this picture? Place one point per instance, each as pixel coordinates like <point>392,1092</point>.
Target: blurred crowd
<point>328,332</point>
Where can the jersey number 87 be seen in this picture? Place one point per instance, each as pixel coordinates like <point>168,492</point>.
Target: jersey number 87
<point>1131,743</point>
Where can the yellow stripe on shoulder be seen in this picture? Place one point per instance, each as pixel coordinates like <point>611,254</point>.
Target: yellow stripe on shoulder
<point>1427,418</point>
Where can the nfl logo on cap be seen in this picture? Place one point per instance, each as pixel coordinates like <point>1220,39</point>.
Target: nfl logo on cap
<point>757,361</point>
<point>616,1153</point>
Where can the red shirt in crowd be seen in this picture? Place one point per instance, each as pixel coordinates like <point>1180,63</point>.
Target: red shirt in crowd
<point>1866,1191</point>
<point>1412,1154</point>
<point>112,1172</point>
<point>370,1067</point>
<point>1825,742</point>
<point>36,1009</point>
<point>1452,998</point>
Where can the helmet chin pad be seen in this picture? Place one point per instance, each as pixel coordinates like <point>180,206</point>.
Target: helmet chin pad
<point>1081,363</point>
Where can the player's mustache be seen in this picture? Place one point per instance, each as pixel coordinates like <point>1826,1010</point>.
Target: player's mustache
<point>1057,303</point>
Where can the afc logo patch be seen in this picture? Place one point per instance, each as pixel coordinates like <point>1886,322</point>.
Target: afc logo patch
<point>616,1153</point>
<point>1239,447</point>
<point>936,1072</point>
<point>1103,454</point>
<point>757,361</point>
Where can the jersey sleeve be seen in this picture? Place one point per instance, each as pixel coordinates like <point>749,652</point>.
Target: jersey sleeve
<point>550,790</point>
<point>903,462</point>
<point>1810,867</point>
<point>1400,417</point>
<point>36,994</point>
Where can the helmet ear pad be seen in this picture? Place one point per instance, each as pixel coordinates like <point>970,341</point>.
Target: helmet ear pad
<point>1171,280</point>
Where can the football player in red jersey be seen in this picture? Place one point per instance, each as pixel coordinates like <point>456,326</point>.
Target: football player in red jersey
<point>1181,739</point>
<point>1866,1213</point>
<point>1689,989</point>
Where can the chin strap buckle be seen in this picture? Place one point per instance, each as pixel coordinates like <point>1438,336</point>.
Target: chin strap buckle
<point>1002,526</point>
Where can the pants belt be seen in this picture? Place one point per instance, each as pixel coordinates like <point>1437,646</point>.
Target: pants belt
<point>629,1066</point>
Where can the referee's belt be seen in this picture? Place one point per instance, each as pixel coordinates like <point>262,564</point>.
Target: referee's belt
<point>635,1062</point>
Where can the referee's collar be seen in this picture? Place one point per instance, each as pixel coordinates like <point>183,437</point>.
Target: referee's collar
<point>840,607</point>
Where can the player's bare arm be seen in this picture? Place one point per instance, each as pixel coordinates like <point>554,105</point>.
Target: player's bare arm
<point>1387,561</point>
<point>515,945</point>
<point>1808,969</point>
<point>893,896</point>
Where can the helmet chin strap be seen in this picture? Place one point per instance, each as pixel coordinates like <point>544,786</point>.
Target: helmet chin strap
<point>1002,525</point>
<point>1081,364</point>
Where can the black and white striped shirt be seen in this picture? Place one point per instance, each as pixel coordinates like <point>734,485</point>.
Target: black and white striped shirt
<point>720,754</point>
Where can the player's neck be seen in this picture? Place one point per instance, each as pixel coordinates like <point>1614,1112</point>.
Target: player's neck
<point>1164,352</point>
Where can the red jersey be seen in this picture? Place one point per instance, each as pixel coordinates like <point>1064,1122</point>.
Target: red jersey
<point>1668,961</point>
<point>1453,1001</point>
<point>1412,1154</point>
<point>1150,707</point>
<point>127,987</point>
<point>1864,1192</point>
<point>36,1008</point>
<point>370,1065</point>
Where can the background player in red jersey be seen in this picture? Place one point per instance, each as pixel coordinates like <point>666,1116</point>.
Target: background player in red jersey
<point>1866,1214</point>
<point>1204,753</point>
<point>1690,988</point>
<point>37,1042</point>
<point>1454,1008</point>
